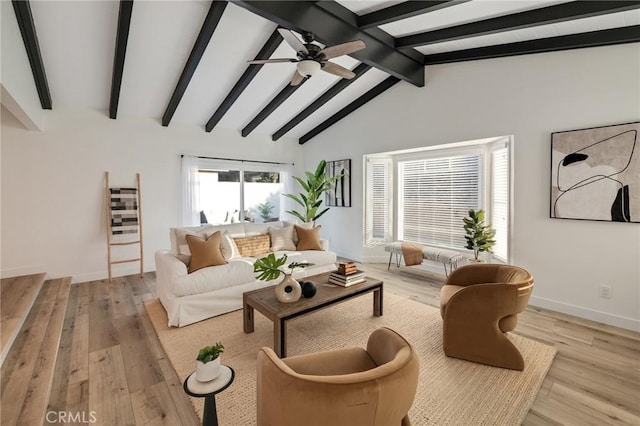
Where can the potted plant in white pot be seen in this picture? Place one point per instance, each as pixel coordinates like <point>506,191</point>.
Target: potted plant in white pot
<point>479,235</point>
<point>208,362</point>
<point>271,267</point>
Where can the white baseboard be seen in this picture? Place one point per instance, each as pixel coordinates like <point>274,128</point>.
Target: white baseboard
<point>103,275</point>
<point>590,314</point>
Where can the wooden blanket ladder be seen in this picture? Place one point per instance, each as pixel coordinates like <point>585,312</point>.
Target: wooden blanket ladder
<point>124,221</point>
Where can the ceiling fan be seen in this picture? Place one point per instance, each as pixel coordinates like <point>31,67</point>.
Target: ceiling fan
<point>312,58</point>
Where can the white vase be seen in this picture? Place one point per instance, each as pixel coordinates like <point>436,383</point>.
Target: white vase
<point>288,290</point>
<point>207,371</point>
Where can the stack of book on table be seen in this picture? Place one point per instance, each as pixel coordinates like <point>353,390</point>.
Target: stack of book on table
<point>346,275</point>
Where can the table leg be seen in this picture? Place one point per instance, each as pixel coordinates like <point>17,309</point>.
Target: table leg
<point>210,417</point>
<point>247,313</point>
<point>279,338</point>
<point>377,302</point>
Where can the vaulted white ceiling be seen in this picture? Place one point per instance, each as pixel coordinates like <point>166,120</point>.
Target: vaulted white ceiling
<point>78,38</point>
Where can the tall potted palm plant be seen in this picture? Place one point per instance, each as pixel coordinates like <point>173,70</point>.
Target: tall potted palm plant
<point>315,185</point>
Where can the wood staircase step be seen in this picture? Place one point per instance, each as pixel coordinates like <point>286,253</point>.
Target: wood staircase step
<point>27,373</point>
<point>17,296</point>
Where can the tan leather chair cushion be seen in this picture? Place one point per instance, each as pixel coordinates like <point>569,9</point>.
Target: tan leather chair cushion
<point>445,294</point>
<point>342,361</point>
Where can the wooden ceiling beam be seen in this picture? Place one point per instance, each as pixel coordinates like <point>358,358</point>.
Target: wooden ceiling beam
<point>320,101</point>
<point>609,37</point>
<point>531,18</point>
<point>403,10</point>
<point>330,29</point>
<point>122,36</point>
<point>22,9</point>
<point>252,70</point>
<point>287,91</point>
<point>208,27</point>
<point>380,88</point>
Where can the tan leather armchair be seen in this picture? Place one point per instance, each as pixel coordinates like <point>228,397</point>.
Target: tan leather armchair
<point>478,304</point>
<point>346,387</point>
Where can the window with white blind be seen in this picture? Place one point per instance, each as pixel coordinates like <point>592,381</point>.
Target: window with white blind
<point>500,202</point>
<point>434,195</point>
<point>378,219</point>
<point>429,192</point>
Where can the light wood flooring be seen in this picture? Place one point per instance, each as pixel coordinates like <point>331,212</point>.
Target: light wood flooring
<point>110,361</point>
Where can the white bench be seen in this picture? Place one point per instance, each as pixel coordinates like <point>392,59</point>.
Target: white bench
<point>449,258</point>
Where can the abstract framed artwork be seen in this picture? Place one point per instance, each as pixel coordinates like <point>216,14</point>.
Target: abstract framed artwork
<point>595,173</point>
<point>340,193</point>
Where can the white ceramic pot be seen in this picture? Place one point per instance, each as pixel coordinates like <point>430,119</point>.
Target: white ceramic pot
<point>288,290</point>
<point>205,372</point>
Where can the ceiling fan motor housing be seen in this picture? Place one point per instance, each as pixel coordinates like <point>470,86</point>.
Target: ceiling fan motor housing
<point>314,53</point>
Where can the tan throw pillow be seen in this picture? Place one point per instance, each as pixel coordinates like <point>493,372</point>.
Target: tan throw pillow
<point>205,252</point>
<point>306,225</point>
<point>308,239</point>
<point>282,238</point>
<point>253,246</point>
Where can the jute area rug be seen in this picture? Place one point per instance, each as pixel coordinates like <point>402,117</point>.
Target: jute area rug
<point>450,391</point>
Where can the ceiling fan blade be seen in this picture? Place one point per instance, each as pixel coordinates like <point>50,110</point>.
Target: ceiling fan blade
<point>342,49</point>
<point>338,70</point>
<point>293,41</point>
<point>297,78</point>
<point>271,61</point>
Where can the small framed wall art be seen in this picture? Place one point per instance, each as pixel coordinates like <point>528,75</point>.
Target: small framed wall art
<point>340,193</point>
<point>595,173</point>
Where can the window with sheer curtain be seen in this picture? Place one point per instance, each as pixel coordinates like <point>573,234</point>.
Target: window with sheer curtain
<point>430,191</point>
<point>224,191</point>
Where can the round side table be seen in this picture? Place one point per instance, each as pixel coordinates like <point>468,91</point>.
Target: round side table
<point>208,391</point>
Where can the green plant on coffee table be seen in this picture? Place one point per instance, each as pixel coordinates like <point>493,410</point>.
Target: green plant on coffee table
<point>270,267</point>
<point>479,235</point>
<point>316,184</point>
<point>209,353</point>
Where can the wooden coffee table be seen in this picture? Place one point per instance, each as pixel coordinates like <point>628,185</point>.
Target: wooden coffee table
<point>264,301</point>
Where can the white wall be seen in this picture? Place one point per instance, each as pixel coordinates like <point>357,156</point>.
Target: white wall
<point>528,97</point>
<point>53,185</point>
<point>19,94</point>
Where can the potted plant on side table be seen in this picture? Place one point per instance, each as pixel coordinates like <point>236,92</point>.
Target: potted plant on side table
<point>479,235</point>
<point>271,267</point>
<point>208,362</point>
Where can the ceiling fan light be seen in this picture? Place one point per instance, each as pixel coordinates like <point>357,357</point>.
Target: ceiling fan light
<point>308,68</point>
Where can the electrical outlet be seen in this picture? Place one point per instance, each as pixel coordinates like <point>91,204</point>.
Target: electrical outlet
<point>605,291</point>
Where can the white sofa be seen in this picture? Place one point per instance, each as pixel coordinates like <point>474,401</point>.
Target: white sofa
<point>216,290</point>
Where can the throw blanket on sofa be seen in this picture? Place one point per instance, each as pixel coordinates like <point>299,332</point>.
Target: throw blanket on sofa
<point>412,253</point>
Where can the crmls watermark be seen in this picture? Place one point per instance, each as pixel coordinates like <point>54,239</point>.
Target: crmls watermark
<point>71,417</point>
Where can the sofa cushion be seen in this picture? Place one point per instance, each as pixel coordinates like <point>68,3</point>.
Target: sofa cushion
<point>254,245</point>
<point>282,238</point>
<point>317,257</point>
<point>251,229</point>
<point>308,239</point>
<point>236,272</point>
<point>204,252</point>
